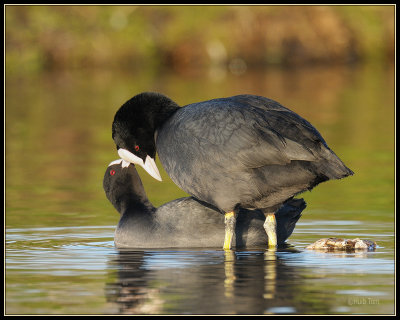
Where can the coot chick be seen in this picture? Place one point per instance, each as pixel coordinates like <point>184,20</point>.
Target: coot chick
<point>244,151</point>
<point>184,222</point>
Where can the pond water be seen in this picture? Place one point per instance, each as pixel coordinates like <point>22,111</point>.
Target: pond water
<point>60,256</point>
<point>77,270</point>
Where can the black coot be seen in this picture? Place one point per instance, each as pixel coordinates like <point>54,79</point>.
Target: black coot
<point>184,222</point>
<point>244,151</point>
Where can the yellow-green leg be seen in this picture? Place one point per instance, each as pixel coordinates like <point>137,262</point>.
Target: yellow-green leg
<point>230,224</point>
<point>270,229</point>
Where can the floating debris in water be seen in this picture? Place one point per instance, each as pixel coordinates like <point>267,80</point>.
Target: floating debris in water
<point>342,244</point>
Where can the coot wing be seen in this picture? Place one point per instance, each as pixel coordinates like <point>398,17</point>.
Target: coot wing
<point>243,131</point>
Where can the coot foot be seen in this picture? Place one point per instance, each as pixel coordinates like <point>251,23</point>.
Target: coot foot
<point>230,225</point>
<point>270,229</point>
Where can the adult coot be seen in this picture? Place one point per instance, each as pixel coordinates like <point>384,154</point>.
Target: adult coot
<point>244,151</point>
<point>184,222</point>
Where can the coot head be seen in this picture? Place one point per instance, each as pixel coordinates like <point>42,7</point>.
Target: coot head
<point>135,125</point>
<point>123,186</point>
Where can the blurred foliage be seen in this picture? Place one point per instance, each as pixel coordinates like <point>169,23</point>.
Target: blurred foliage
<point>190,38</point>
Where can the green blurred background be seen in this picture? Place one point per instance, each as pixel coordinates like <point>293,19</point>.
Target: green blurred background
<point>69,68</point>
<point>190,39</point>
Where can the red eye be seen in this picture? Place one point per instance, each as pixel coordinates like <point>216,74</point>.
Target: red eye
<point>112,172</point>
<point>137,148</point>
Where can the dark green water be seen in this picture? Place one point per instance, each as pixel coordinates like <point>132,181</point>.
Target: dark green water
<point>60,257</point>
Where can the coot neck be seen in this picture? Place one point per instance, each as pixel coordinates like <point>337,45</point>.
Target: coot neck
<point>130,198</point>
<point>136,207</point>
<point>135,213</point>
<point>163,108</point>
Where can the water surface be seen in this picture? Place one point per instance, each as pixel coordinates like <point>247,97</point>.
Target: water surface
<point>77,270</point>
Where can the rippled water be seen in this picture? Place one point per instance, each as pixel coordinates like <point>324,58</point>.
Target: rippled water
<point>77,270</point>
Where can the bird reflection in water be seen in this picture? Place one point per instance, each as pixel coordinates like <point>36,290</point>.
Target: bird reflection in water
<point>201,281</point>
